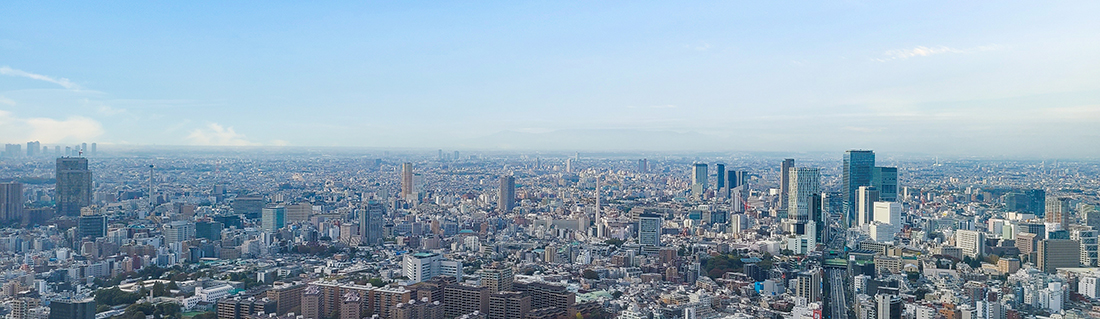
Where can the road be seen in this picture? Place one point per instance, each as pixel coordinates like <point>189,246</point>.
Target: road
<point>838,301</point>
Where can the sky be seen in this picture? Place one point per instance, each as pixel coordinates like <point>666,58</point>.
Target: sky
<point>1008,78</point>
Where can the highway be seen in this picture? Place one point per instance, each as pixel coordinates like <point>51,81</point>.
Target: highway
<point>838,300</point>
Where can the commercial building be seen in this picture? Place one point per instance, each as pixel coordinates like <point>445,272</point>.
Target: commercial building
<point>507,194</point>
<point>11,201</point>
<point>371,219</point>
<point>649,229</point>
<point>274,218</point>
<point>73,185</point>
<point>1058,253</point>
<point>423,266</point>
<point>72,308</point>
<point>857,171</point>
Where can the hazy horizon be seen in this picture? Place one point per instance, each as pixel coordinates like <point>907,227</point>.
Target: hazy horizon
<point>1014,80</point>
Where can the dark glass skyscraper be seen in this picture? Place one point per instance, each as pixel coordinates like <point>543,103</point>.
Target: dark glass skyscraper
<point>507,194</point>
<point>784,183</point>
<point>858,167</point>
<point>720,170</point>
<point>370,223</point>
<point>73,186</point>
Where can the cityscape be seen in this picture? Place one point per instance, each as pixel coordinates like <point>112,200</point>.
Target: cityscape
<point>549,159</point>
<point>350,233</point>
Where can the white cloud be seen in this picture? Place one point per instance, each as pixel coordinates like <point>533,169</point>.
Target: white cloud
<point>922,51</point>
<point>7,101</point>
<point>63,82</point>
<point>215,134</point>
<point>47,130</point>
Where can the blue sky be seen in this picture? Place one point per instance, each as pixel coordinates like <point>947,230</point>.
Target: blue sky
<point>1005,78</point>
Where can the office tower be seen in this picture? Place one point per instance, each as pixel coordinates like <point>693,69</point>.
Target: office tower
<point>866,197</point>
<point>735,178</point>
<point>298,212</point>
<point>406,180</point>
<point>784,183</point>
<point>423,266</point>
<point>91,226</point>
<point>250,206</point>
<point>440,155</point>
<point>462,299</point>
<point>885,180</point>
<point>1086,236</point>
<point>83,148</point>
<point>972,243</point>
<point>649,229</point>
<point>1058,211</point>
<point>72,308</point>
<point>57,150</point>
<point>568,165</point>
<point>311,303</point>
<point>600,224</point>
<point>887,306</point>
<point>1058,253</point>
<point>509,305</point>
<point>643,166</point>
<point>370,223</point>
<point>211,230</point>
<point>809,285</point>
<point>856,172</point>
<point>720,176</point>
<point>497,277</point>
<point>11,201</point>
<point>178,231</point>
<point>887,212</point>
<point>805,183</point>
<point>507,193</point>
<point>33,148</point>
<point>698,180</point>
<point>274,218</point>
<point>820,218</point>
<point>73,186</point>
<point>93,150</point>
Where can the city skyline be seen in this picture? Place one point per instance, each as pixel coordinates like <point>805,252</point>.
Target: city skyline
<point>1015,80</point>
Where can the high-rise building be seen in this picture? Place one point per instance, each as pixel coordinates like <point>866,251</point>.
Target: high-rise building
<point>298,212</point>
<point>785,183</point>
<point>211,230</point>
<point>11,201</point>
<point>461,299</point>
<point>287,296</point>
<point>73,186</point>
<point>178,231</point>
<point>1058,210</point>
<point>92,226</point>
<point>735,178</point>
<point>972,243</point>
<point>643,166</point>
<point>497,277</point>
<point>311,303</point>
<point>698,180</point>
<point>370,223</point>
<point>1058,253</point>
<point>33,148</point>
<point>274,218</point>
<point>809,285</point>
<point>407,187</point>
<point>13,150</point>
<point>1086,236</point>
<point>888,212</point>
<point>649,229</point>
<point>866,197</point>
<point>888,306</point>
<point>507,193</point>
<point>72,308</point>
<point>720,176</point>
<point>93,150</point>
<point>351,304</point>
<point>423,266</point>
<point>857,170</point>
<point>885,180</point>
<point>509,305</point>
<point>251,206</point>
<point>805,183</point>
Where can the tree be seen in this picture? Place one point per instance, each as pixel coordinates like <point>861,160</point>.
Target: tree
<point>377,282</point>
<point>590,274</point>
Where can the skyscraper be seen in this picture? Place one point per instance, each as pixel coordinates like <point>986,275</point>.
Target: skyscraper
<point>507,194</point>
<point>370,223</point>
<point>649,229</point>
<point>11,201</point>
<point>1058,210</point>
<point>33,148</point>
<point>643,166</point>
<point>720,175</point>
<point>698,180</point>
<point>805,183</point>
<point>866,197</point>
<point>273,218</point>
<point>857,170</point>
<point>1058,253</point>
<point>406,180</point>
<point>73,186</point>
<point>885,179</point>
<point>91,226</point>
<point>784,183</point>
